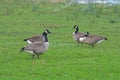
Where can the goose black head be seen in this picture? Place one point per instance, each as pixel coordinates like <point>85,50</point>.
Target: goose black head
<point>47,31</point>
<point>75,27</point>
<point>45,35</point>
<point>86,34</point>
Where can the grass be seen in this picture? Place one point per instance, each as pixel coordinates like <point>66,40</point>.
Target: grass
<point>64,60</point>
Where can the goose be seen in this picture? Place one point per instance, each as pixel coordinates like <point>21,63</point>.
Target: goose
<point>88,39</point>
<point>37,48</point>
<point>37,38</point>
<point>93,39</point>
<point>76,35</point>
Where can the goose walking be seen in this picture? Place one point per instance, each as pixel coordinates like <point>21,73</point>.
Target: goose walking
<point>37,48</point>
<point>39,38</point>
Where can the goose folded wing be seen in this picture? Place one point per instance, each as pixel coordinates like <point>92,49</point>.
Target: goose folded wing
<point>34,46</point>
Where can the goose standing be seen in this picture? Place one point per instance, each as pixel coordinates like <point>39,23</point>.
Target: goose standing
<point>39,38</point>
<point>37,48</point>
<point>76,35</point>
<point>94,39</point>
<point>85,38</point>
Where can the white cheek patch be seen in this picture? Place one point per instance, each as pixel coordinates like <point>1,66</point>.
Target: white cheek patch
<point>46,32</point>
<point>76,27</point>
<point>29,41</point>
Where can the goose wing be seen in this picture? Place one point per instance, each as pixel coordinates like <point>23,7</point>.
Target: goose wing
<point>80,34</point>
<point>34,46</point>
<point>93,39</point>
<point>36,38</point>
<point>96,37</point>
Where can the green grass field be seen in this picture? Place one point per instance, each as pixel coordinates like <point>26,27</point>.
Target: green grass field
<point>64,60</point>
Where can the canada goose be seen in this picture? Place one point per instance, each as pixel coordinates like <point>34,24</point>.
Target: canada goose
<point>76,34</point>
<point>93,39</point>
<point>80,37</point>
<point>37,38</point>
<point>37,48</point>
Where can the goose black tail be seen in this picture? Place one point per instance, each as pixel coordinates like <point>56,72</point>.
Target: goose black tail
<point>105,38</point>
<point>25,39</point>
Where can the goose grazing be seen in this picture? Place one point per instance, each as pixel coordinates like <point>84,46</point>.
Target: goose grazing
<point>39,38</point>
<point>93,39</point>
<point>37,48</point>
<point>77,35</point>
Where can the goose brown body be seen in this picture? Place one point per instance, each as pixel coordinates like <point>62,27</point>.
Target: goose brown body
<point>93,39</point>
<point>35,39</point>
<point>37,48</point>
<point>38,38</point>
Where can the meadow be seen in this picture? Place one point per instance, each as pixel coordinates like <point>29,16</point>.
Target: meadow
<point>65,60</point>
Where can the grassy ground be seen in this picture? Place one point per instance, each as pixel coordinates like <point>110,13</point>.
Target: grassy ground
<point>64,60</point>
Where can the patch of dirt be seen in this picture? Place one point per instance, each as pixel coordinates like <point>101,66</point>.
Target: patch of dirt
<point>51,26</point>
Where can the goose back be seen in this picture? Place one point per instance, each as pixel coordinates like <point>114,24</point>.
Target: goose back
<point>35,39</point>
<point>38,38</point>
<point>94,39</point>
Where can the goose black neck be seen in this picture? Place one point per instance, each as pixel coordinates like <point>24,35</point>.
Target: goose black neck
<point>45,36</point>
<point>44,33</point>
<point>77,29</point>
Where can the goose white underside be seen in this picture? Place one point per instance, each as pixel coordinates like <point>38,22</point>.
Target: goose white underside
<point>31,52</point>
<point>100,41</point>
<point>29,41</point>
<point>82,38</point>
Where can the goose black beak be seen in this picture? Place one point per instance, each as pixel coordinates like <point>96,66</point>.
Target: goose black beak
<point>21,49</point>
